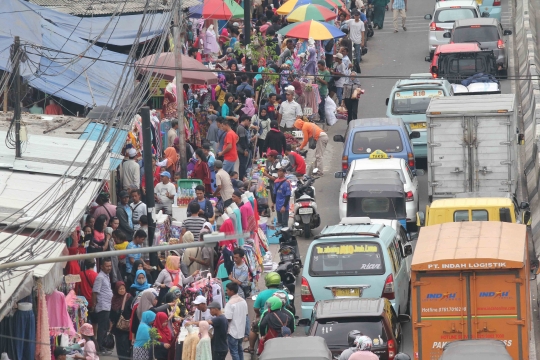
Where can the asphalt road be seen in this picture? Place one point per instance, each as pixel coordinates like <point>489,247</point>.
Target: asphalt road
<point>395,55</point>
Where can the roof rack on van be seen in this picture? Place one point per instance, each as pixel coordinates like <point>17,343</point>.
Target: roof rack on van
<point>362,233</point>
<point>419,83</point>
<point>364,220</point>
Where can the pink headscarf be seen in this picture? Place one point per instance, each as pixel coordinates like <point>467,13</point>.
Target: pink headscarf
<point>249,109</point>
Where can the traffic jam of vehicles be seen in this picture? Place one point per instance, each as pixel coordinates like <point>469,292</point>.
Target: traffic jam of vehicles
<point>457,270</point>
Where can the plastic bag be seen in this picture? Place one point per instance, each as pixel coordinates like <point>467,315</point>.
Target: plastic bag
<point>330,111</point>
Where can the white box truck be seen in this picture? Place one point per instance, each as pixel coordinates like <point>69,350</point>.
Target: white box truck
<point>472,145</point>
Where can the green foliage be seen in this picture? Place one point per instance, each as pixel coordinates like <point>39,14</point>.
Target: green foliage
<point>154,337</point>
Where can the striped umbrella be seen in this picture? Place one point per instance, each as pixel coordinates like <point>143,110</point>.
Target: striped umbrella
<point>221,10</point>
<point>290,5</point>
<point>311,12</point>
<point>311,29</point>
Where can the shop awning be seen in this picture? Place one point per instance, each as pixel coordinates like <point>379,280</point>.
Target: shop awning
<point>17,283</point>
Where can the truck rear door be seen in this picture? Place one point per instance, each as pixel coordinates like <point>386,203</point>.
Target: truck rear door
<point>492,143</point>
<point>447,156</point>
<point>440,314</point>
<point>496,311</point>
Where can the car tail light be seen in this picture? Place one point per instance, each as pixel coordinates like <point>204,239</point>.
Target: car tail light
<point>434,27</point>
<point>500,44</point>
<point>388,290</point>
<point>344,163</point>
<point>305,204</point>
<point>411,160</point>
<point>391,349</point>
<point>305,291</point>
<point>434,75</point>
<point>344,198</point>
<point>410,196</point>
<point>497,3</point>
<point>455,7</point>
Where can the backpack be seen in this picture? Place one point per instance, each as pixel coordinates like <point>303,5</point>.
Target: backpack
<point>284,328</point>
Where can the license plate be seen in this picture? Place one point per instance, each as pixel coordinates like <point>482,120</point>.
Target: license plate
<point>346,292</point>
<point>420,125</point>
<point>287,257</point>
<point>308,210</point>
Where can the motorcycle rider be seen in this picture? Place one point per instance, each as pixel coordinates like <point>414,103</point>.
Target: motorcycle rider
<point>351,339</point>
<point>272,281</point>
<point>363,344</point>
<point>275,319</point>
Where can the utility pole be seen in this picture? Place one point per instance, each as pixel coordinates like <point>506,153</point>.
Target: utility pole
<point>149,178</point>
<point>178,19</point>
<point>247,23</point>
<point>15,59</point>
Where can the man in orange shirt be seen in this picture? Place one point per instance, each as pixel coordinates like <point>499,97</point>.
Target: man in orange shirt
<point>229,153</point>
<point>53,109</point>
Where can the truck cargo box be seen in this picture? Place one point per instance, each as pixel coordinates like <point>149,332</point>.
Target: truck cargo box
<point>472,145</point>
<point>470,280</point>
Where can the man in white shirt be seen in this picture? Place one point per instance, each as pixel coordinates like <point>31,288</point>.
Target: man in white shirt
<point>139,208</point>
<point>289,111</point>
<point>202,312</point>
<point>236,311</point>
<point>164,194</point>
<point>131,171</point>
<point>357,32</point>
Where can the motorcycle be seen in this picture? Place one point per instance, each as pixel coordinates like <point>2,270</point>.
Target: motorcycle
<point>369,23</point>
<point>305,207</point>
<point>289,255</point>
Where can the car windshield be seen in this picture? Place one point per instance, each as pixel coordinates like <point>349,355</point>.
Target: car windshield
<point>414,101</point>
<point>377,207</point>
<point>346,259</point>
<point>452,14</point>
<point>365,142</point>
<point>475,33</point>
<point>335,331</point>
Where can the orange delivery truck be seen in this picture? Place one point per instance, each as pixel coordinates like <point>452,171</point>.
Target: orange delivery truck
<point>470,280</point>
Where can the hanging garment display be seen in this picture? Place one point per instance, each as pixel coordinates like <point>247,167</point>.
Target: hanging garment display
<point>57,312</point>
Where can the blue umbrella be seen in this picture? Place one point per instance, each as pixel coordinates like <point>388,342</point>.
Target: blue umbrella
<point>196,11</point>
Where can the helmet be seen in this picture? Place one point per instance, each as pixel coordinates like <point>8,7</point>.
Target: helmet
<point>282,296</point>
<point>363,343</point>
<point>272,279</point>
<point>402,356</point>
<point>351,337</point>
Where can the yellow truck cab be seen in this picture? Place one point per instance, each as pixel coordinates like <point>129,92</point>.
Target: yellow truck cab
<point>465,208</point>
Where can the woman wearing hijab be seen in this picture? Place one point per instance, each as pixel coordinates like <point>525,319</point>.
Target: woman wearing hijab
<point>144,302</point>
<point>137,265</point>
<point>143,336</point>
<point>169,101</point>
<point>249,107</point>
<point>171,276</point>
<point>221,89</point>
<point>161,324</point>
<point>275,139</point>
<point>191,255</point>
<point>201,171</point>
<point>121,306</point>
<point>171,155</point>
<point>140,284</point>
<point>227,109</point>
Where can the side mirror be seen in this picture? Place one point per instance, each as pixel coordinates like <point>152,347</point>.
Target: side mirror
<point>524,205</point>
<point>527,218</point>
<point>407,249</point>
<point>447,35</point>
<point>420,218</point>
<point>507,32</point>
<point>339,138</point>
<point>387,101</point>
<point>339,174</point>
<point>427,58</point>
<point>304,322</point>
<point>403,318</point>
<point>485,14</point>
<point>419,172</point>
<point>428,17</point>
<point>414,135</point>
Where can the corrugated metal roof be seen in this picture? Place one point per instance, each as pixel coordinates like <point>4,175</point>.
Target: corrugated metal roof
<point>20,189</point>
<point>109,7</point>
<point>501,104</point>
<point>349,307</point>
<point>375,122</point>
<point>53,155</point>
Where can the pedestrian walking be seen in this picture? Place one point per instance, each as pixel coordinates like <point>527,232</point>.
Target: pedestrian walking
<point>357,31</point>
<point>399,8</point>
<point>236,312</point>
<point>101,298</point>
<point>379,10</point>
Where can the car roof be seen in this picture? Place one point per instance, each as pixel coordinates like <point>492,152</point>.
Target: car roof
<point>336,308</point>
<point>360,232</point>
<point>476,21</point>
<point>406,84</point>
<point>449,4</point>
<point>373,164</point>
<point>376,122</point>
<point>459,47</point>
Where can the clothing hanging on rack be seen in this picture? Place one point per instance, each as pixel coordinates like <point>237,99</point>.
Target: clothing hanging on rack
<point>57,311</point>
<point>43,351</point>
<point>248,218</point>
<point>238,225</point>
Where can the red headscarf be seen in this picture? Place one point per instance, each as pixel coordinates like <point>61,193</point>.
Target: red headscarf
<point>163,331</point>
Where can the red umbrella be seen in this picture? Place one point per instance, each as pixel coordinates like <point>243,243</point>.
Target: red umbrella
<point>221,10</point>
<point>193,72</point>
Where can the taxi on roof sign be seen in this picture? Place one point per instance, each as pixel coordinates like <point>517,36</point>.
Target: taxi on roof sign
<point>378,154</point>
